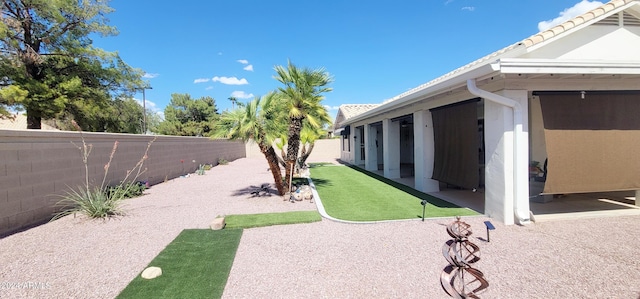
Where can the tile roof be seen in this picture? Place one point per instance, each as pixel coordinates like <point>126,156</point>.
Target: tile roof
<point>579,20</point>
<point>510,51</point>
<point>347,111</point>
<point>351,110</point>
<point>526,43</point>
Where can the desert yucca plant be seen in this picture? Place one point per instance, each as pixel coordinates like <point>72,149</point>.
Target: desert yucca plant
<point>94,203</point>
<point>100,201</point>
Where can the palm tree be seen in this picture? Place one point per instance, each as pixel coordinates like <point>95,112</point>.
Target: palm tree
<point>258,121</point>
<point>302,92</point>
<point>234,101</point>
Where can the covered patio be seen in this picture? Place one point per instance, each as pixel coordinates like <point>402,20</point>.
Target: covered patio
<point>566,95</point>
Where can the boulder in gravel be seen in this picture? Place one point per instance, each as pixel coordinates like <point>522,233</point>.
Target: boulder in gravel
<point>217,224</point>
<point>151,272</point>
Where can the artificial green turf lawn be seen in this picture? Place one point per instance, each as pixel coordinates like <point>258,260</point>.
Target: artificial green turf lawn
<point>258,220</point>
<point>351,194</point>
<point>195,265</point>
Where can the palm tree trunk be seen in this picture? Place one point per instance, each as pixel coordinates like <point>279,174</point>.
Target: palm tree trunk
<point>304,154</point>
<point>284,157</point>
<point>272,160</point>
<point>293,145</point>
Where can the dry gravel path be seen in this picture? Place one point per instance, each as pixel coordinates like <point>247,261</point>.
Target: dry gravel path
<point>78,258</point>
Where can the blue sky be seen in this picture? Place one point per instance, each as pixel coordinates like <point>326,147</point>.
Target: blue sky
<point>375,50</point>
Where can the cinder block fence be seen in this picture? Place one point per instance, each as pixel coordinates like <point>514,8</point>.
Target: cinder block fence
<point>36,167</point>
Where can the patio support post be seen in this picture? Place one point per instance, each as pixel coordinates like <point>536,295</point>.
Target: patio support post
<point>355,146</point>
<point>371,155</point>
<point>507,154</point>
<point>391,148</point>
<point>424,151</point>
<point>638,198</point>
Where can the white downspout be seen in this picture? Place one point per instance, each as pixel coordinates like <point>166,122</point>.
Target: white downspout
<point>521,213</point>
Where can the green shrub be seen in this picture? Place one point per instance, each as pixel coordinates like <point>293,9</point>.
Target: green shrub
<point>222,161</point>
<point>128,190</point>
<point>95,203</point>
<point>200,170</point>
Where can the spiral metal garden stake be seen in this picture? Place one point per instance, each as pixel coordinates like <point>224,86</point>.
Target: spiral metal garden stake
<point>459,279</point>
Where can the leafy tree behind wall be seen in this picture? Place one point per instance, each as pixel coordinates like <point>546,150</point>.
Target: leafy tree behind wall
<point>49,65</point>
<point>117,116</point>
<point>185,116</point>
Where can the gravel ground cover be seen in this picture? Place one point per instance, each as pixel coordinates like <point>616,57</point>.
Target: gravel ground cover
<point>80,258</point>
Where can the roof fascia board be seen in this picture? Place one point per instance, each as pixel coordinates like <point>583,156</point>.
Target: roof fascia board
<point>446,82</point>
<point>431,90</point>
<point>555,66</point>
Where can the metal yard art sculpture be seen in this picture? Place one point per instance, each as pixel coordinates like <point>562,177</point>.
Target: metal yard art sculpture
<point>459,279</point>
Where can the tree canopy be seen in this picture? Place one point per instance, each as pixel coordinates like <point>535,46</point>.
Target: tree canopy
<point>185,116</point>
<point>49,64</point>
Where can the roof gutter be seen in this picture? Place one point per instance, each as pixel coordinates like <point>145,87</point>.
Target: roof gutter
<point>521,211</point>
<point>479,68</point>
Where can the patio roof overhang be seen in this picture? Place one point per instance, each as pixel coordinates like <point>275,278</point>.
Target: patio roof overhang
<point>503,67</point>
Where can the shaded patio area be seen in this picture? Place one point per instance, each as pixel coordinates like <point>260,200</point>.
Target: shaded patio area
<point>569,206</point>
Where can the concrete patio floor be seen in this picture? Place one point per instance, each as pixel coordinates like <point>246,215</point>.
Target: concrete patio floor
<point>565,207</point>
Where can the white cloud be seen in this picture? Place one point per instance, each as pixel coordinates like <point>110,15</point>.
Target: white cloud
<point>469,8</point>
<point>230,80</point>
<point>241,95</point>
<point>150,76</point>
<point>331,107</point>
<point>248,68</point>
<point>569,13</point>
<point>149,105</point>
<point>243,61</point>
<point>209,88</point>
<point>448,1</point>
<point>201,80</point>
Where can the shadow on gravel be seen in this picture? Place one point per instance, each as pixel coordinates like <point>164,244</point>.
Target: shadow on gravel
<point>264,189</point>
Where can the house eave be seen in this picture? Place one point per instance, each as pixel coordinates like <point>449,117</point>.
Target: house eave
<point>480,68</point>
<point>556,66</point>
<point>507,66</point>
<point>429,90</point>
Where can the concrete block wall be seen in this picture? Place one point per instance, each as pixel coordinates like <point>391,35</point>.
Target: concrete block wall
<point>37,167</point>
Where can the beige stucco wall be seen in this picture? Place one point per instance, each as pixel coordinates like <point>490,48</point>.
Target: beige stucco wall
<point>36,167</point>
<point>324,150</point>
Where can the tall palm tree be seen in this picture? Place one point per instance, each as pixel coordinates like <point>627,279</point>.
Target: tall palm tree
<point>303,94</point>
<point>258,121</point>
<point>234,101</point>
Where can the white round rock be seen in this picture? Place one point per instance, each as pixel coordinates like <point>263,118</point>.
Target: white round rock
<point>151,272</point>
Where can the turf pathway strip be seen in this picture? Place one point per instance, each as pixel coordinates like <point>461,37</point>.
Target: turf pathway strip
<point>260,220</point>
<point>350,194</point>
<point>195,265</point>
